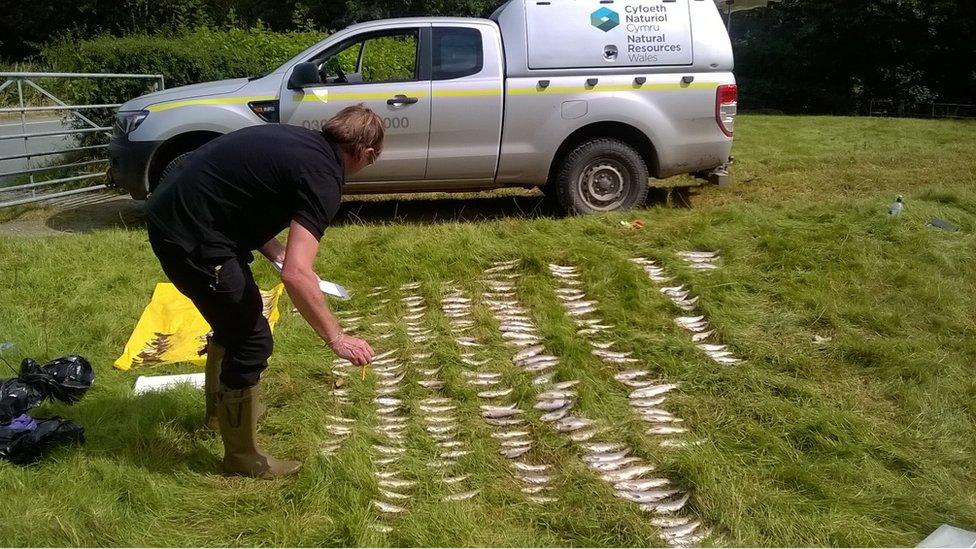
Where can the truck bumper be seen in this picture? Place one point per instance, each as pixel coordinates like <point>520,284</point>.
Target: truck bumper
<point>129,164</point>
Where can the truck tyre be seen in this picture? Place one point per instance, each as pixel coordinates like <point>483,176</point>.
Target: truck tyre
<point>602,175</point>
<point>171,168</point>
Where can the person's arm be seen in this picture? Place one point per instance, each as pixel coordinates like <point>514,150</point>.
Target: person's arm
<point>303,287</point>
<point>273,250</point>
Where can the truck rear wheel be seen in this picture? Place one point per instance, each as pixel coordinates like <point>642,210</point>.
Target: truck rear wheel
<point>602,175</point>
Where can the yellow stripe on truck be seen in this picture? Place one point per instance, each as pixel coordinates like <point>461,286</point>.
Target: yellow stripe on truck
<point>209,101</point>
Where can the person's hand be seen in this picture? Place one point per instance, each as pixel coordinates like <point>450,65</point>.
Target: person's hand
<point>353,349</point>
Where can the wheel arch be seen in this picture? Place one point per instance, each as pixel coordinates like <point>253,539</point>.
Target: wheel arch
<point>607,129</point>
<point>173,147</point>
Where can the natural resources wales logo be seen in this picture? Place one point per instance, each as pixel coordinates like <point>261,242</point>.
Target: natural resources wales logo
<point>605,19</point>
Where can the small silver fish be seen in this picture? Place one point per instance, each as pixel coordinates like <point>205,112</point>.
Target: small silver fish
<point>543,379</point>
<point>556,415</point>
<point>454,454</point>
<point>495,394</point>
<point>542,499</point>
<point>528,467</point>
<point>595,457</point>
<point>570,424</point>
<point>701,336</point>
<point>527,352</point>
<point>629,473</point>
<point>582,435</point>
<point>653,390</point>
<point>456,479</point>
<point>667,506</point>
<point>553,394</point>
<point>431,383</point>
<point>680,532</point>
<point>551,405</point>
<point>442,463</point>
<point>666,430</point>
<point>647,496</point>
<point>506,435</point>
<point>512,453</point>
<point>647,402</point>
<point>462,496</point>
<point>395,483</point>
<point>534,489</point>
<point>605,466</point>
<point>388,507</point>
<point>515,443</point>
<point>393,495</point>
<point>504,421</point>
<point>640,485</point>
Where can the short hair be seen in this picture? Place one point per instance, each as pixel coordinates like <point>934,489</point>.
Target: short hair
<point>355,129</point>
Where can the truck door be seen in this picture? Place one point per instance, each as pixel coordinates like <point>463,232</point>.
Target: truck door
<point>383,70</point>
<point>466,107</point>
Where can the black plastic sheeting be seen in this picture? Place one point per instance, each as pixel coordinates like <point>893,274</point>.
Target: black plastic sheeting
<point>24,439</point>
<point>27,440</point>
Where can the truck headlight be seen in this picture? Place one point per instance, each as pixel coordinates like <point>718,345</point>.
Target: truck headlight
<point>127,121</point>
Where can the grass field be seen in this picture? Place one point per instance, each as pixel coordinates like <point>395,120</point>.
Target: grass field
<point>866,442</point>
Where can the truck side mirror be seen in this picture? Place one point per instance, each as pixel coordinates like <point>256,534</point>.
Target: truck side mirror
<point>304,74</point>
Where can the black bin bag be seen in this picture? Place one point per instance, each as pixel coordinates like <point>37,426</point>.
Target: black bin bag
<point>16,397</point>
<point>26,440</point>
<point>66,379</point>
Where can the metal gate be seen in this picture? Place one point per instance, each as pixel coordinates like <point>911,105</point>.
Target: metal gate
<point>32,167</point>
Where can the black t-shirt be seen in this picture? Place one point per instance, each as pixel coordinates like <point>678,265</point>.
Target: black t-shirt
<point>240,190</point>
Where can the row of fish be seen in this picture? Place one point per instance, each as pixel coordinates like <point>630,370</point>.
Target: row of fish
<point>701,334</point>
<point>505,418</point>
<point>338,426</point>
<point>611,461</point>
<point>647,394</point>
<point>632,477</point>
<point>440,421</point>
<point>701,261</point>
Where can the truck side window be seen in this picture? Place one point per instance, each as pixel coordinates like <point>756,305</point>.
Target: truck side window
<point>386,57</point>
<point>457,52</point>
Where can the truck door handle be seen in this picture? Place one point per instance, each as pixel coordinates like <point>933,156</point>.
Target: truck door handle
<point>398,100</point>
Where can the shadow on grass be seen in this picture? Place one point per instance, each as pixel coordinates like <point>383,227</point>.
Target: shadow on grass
<point>159,432</point>
<point>421,209</point>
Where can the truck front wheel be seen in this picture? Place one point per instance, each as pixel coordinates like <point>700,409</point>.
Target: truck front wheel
<point>171,168</point>
<point>602,175</point>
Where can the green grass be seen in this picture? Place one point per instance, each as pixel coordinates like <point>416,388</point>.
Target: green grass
<point>868,442</point>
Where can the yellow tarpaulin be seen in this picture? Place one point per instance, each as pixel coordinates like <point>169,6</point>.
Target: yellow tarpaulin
<point>172,330</point>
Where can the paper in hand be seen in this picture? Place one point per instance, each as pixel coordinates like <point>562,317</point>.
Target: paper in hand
<point>328,288</point>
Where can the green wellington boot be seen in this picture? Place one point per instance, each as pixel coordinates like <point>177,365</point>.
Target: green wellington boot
<point>211,386</point>
<point>238,414</point>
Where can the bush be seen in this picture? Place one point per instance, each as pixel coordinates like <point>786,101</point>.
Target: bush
<point>198,56</point>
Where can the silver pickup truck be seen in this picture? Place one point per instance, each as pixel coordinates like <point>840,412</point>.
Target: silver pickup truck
<point>586,99</point>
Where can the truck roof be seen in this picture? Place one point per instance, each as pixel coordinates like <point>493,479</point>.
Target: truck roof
<point>418,21</point>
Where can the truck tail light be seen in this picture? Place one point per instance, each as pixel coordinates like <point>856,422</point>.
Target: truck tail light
<point>726,103</point>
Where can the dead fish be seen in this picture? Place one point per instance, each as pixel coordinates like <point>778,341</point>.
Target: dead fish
<point>629,473</point>
<point>339,419</point>
<point>436,400</point>
<point>611,354</point>
<point>520,336</point>
<point>711,347</point>
<point>515,443</point>
<point>667,506</point>
<point>512,453</point>
<point>542,499</point>
<point>528,467</point>
<point>583,435</point>
<point>449,444</point>
<point>429,371</point>
<point>468,342</point>
<point>338,430</point>
<point>393,495</point>
<point>630,375</point>
<point>543,379</point>
<point>570,424</point>
<point>386,391</point>
<point>409,285</point>
<point>606,466</point>
<point>483,382</point>
<point>395,483</point>
<point>653,390</point>
<point>548,359</point>
<point>718,354</point>
<point>701,336</point>
<point>648,496</point>
<point>581,311</point>
<point>454,453</point>
<point>535,479</point>
<point>439,419</point>
<point>471,362</point>
<point>549,405</point>
<point>388,450</point>
<point>595,457</point>
<point>507,435</point>
<point>556,415</point>
<point>455,479</point>
<point>481,375</point>
<point>431,383</point>
<point>381,356</point>
<point>534,489</point>
<point>669,290</point>
<point>387,410</point>
<point>496,412</point>
<point>647,402</point>
<point>439,429</point>
<point>527,353</point>
<point>686,320</point>
<point>669,522</point>
<point>680,532</point>
<point>387,401</point>
<point>727,360</point>
<point>604,446</point>
<point>456,299</point>
<point>553,394</point>
<point>388,507</point>
<point>602,346</point>
<point>462,496</point>
<point>666,430</point>
<point>539,366</point>
<point>386,460</point>
<point>442,463</point>
<point>641,485</point>
<point>495,394</point>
